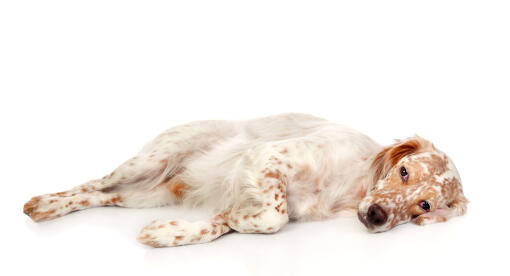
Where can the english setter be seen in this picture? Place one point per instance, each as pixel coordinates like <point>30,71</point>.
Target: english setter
<point>259,174</point>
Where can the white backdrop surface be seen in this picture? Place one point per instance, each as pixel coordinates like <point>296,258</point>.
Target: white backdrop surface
<point>84,84</point>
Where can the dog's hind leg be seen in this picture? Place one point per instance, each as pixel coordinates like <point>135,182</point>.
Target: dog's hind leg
<point>128,186</point>
<point>146,180</point>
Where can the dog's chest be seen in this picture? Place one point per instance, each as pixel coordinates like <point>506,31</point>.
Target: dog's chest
<point>321,192</point>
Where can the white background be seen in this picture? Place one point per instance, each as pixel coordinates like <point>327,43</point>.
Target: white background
<point>84,84</point>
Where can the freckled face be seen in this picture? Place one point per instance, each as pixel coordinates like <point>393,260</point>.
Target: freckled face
<point>417,184</point>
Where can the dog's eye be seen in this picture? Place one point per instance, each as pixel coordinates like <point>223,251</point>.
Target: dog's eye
<point>403,174</point>
<point>424,205</point>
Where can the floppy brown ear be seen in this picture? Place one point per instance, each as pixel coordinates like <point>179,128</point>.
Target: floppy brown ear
<point>379,163</point>
<point>389,156</point>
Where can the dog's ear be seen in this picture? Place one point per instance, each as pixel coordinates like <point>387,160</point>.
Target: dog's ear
<point>378,164</point>
<point>389,156</point>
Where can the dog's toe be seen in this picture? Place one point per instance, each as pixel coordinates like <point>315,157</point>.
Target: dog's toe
<point>31,205</point>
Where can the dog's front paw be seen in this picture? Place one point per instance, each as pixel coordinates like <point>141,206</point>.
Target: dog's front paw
<point>31,205</point>
<point>161,234</point>
<point>179,232</point>
<point>149,239</point>
<point>429,218</point>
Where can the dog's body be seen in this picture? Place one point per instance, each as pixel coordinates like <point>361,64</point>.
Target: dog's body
<point>258,174</point>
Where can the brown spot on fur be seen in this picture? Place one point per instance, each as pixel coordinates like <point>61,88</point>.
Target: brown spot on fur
<point>146,236</point>
<point>204,231</point>
<point>37,216</point>
<point>435,163</point>
<point>116,199</point>
<point>178,238</point>
<point>178,188</point>
<point>84,203</point>
<point>174,223</point>
<point>280,188</point>
<point>277,207</point>
<point>84,190</point>
<point>273,174</point>
<point>268,189</point>
<point>153,243</point>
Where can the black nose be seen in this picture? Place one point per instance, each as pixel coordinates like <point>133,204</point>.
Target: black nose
<point>376,215</point>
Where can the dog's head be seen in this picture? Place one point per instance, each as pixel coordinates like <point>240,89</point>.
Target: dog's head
<point>413,181</point>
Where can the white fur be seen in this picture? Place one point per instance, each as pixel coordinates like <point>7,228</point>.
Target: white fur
<point>341,165</point>
<point>255,174</point>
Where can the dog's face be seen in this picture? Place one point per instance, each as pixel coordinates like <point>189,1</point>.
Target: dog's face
<point>413,182</point>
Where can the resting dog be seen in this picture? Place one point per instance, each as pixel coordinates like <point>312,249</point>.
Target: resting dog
<point>259,174</point>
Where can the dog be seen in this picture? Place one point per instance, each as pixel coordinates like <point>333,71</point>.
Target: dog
<point>259,174</point>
